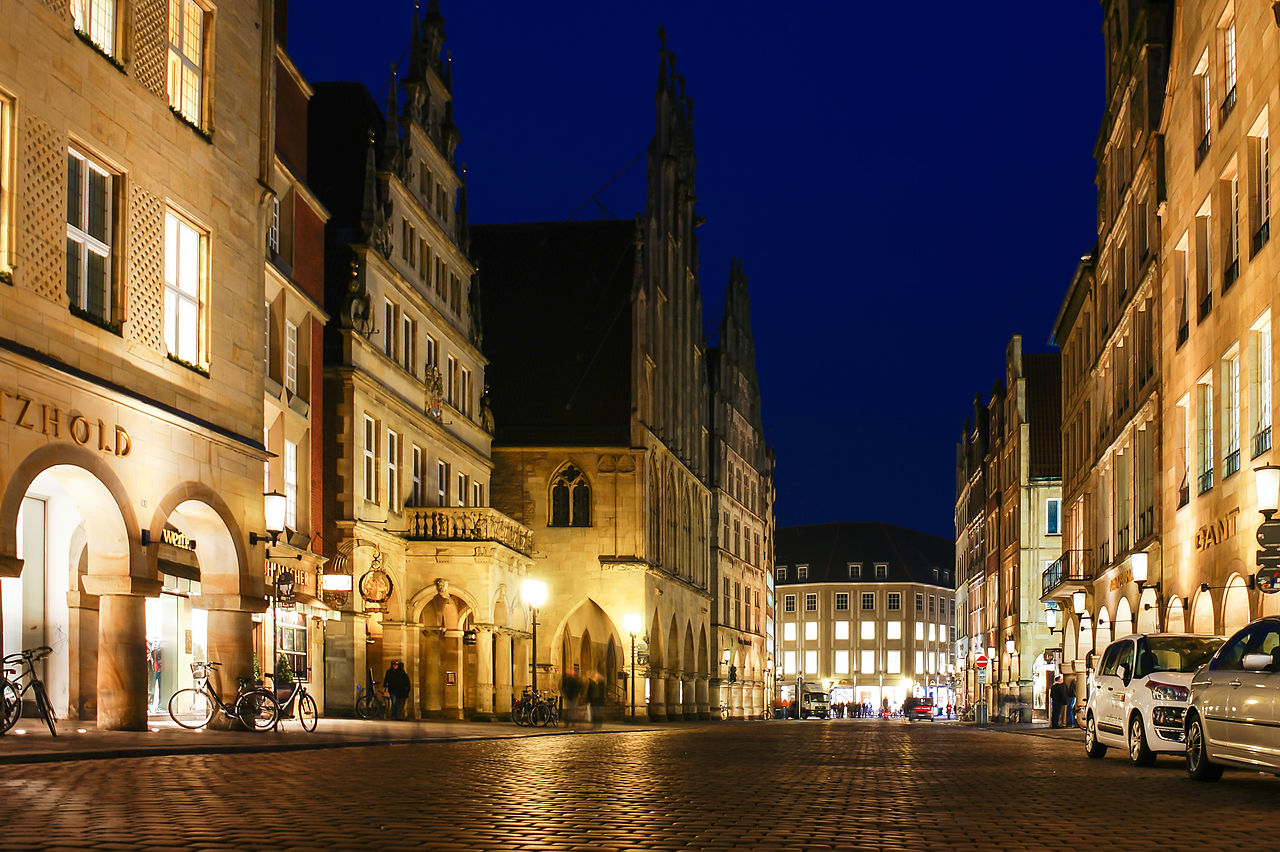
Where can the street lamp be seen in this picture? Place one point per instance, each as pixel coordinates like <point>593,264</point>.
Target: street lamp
<point>273,509</point>
<point>633,624</point>
<point>1267,483</point>
<point>1077,601</point>
<point>534,593</point>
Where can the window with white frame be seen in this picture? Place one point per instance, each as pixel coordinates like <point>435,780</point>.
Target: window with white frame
<point>842,600</point>
<point>1230,413</point>
<point>882,571</point>
<point>290,485</point>
<point>370,454</point>
<point>1204,259</point>
<point>842,630</point>
<point>1204,434</point>
<point>868,601</point>
<point>408,344</point>
<point>802,572</point>
<point>1204,103</point>
<point>417,473</point>
<point>393,470</point>
<point>919,662</point>
<point>855,571</point>
<point>432,351</point>
<point>789,631</point>
<point>291,640</point>
<point>90,234</point>
<point>868,662</point>
<point>97,20</point>
<point>389,328</point>
<point>461,492</point>
<point>893,662</point>
<point>811,602</point>
<point>442,483</point>
<point>811,631</point>
<point>842,662</point>
<point>919,602</point>
<point>789,662</point>
<point>1260,383</point>
<point>789,603</point>
<point>464,392</point>
<point>867,629</point>
<point>1053,516</point>
<point>477,493</point>
<point>185,250</point>
<point>273,228</point>
<point>1259,154</point>
<point>290,357</point>
<point>1228,67</point>
<point>933,636</point>
<point>1231,235</point>
<point>894,601</point>
<point>780,574</point>
<point>186,59</point>
<point>919,631</point>
<point>811,662</point>
<point>893,630</point>
<point>451,380</point>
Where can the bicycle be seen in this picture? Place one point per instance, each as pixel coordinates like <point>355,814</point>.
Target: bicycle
<point>374,704</point>
<point>724,712</point>
<point>534,708</point>
<point>297,703</point>
<point>255,707</point>
<point>11,691</point>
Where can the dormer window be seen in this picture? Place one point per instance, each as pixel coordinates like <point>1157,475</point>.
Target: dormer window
<point>882,570</point>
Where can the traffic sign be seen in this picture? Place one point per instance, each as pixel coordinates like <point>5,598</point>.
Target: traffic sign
<point>981,662</point>
<point>982,675</point>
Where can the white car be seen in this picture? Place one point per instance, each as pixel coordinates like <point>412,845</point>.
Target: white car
<point>1234,717</point>
<point>1138,694</point>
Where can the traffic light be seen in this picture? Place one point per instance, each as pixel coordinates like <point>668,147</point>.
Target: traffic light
<point>733,674</point>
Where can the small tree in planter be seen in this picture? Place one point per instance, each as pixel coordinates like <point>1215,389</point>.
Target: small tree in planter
<point>283,677</point>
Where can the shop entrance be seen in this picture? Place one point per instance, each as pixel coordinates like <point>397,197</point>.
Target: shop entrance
<point>177,635</point>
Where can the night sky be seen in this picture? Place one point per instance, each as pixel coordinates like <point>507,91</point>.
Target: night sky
<point>907,185</point>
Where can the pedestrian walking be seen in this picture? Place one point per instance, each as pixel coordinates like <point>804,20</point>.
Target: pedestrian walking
<point>595,700</point>
<point>1057,702</point>
<point>396,683</point>
<point>571,691</point>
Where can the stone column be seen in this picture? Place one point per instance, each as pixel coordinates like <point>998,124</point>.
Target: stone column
<point>689,708</point>
<point>451,663</point>
<point>502,672</point>
<point>674,710</point>
<point>484,671</point>
<point>520,662</point>
<point>122,659</point>
<point>432,677</point>
<point>83,681</point>
<point>657,706</point>
<point>702,690</point>
<point>399,643</point>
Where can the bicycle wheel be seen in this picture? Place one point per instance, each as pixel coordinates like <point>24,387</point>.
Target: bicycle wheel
<point>307,712</point>
<point>11,701</point>
<point>258,710</point>
<point>191,708</point>
<point>540,715</point>
<point>45,708</point>
<point>365,708</point>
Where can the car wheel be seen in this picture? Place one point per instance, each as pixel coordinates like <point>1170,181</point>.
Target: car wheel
<point>1092,747</point>
<point>1198,765</point>
<point>1139,753</point>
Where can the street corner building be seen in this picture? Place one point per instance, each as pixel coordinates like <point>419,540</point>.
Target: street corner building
<point>603,398</point>
<point>132,222</point>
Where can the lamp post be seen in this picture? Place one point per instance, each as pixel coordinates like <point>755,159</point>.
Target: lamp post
<point>535,595</point>
<point>1267,483</point>
<point>633,625</point>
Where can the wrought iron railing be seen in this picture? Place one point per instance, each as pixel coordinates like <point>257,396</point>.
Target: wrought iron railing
<point>467,524</point>
<point>1230,274</point>
<point>1228,103</point>
<point>1261,441</point>
<point>1204,481</point>
<point>1206,305</point>
<point>1260,237</point>
<point>1071,566</point>
<point>1202,150</point>
<point>1231,463</point>
<point>1146,522</point>
<point>1183,330</point>
<point>1184,494</point>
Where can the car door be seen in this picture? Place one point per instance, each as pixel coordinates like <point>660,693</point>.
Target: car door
<point>1254,702</point>
<point>1105,683</point>
<point>1217,698</point>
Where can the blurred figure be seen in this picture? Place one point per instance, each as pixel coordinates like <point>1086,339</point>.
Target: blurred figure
<point>396,683</point>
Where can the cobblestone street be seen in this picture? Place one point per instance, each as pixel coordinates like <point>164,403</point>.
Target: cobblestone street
<point>778,785</point>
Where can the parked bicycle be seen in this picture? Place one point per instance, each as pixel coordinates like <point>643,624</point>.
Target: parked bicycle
<point>374,703</point>
<point>297,703</point>
<point>255,707</point>
<point>535,708</point>
<point>24,679</point>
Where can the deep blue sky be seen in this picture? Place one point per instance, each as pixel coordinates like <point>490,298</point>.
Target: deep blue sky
<point>907,185</point>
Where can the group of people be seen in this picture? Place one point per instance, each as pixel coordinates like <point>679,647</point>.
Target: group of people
<point>1062,704</point>
<point>583,699</point>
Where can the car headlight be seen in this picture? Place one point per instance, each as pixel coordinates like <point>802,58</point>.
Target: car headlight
<point>1168,691</point>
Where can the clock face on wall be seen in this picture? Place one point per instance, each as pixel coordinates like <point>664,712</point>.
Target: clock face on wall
<point>375,586</point>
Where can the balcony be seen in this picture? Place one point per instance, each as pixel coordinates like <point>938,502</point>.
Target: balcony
<point>1230,274</point>
<point>1231,463</point>
<point>1202,150</point>
<point>1068,573</point>
<point>1122,540</point>
<point>1204,481</point>
<point>1206,305</point>
<point>461,523</point>
<point>1260,237</point>
<point>1104,554</point>
<point>1261,441</point>
<point>1184,494</point>
<point>1183,330</point>
<point>1228,104</point>
<point>1146,522</point>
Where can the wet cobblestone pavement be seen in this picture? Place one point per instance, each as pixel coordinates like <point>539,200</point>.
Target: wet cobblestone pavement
<point>778,785</point>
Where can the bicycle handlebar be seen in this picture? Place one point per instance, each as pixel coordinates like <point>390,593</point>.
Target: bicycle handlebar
<point>30,654</point>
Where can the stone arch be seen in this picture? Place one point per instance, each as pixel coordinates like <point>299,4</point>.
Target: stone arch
<point>1085,638</point>
<point>1175,620</point>
<point>1148,610</point>
<point>1124,618</point>
<point>673,643</point>
<point>1102,633</point>
<point>656,650</point>
<point>701,661</point>
<point>199,512</point>
<point>439,595</point>
<point>1202,620</point>
<point>579,636</point>
<point>1235,605</point>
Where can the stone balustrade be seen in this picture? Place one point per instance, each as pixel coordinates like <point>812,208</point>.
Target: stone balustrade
<point>461,523</point>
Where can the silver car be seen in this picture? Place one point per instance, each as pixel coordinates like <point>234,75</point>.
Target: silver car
<point>1234,717</point>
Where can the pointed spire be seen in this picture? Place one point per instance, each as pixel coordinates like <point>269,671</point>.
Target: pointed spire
<point>464,232</point>
<point>391,134</point>
<point>415,47</point>
<point>369,199</point>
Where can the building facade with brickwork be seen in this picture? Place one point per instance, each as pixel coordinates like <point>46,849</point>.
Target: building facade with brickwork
<point>602,448</point>
<point>867,610</point>
<point>436,573</point>
<point>131,455</point>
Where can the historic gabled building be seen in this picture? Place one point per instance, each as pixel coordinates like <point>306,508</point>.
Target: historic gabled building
<point>435,572</point>
<point>1109,330</point>
<point>971,550</point>
<point>601,401</point>
<point>742,507</point>
<point>867,611</point>
<point>1217,362</point>
<point>132,226</point>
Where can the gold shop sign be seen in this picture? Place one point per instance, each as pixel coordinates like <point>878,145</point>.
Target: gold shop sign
<point>1121,580</point>
<point>27,413</point>
<point>1218,531</point>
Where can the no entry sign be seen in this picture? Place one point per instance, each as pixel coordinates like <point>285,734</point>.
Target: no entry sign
<point>981,662</point>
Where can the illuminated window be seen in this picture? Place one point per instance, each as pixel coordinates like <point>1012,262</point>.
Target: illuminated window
<point>789,662</point>
<point>893,630</point>
<point>417,473</point>
<point>1260,383</point>
<point>919,662</point>
<point>789,631</point>
<point>370,453</point>
<point>1204,434</point>
<point>1053,516</point>
<point>868,630</point>
<point>462,489</point>
<point>842,630</point>
<point>393,470</point>
<point>919,631</point>
<point>290,357</point>
<point>893,662</point>
<point>811,662</point>
<point>442,484</point>
<point>291,485</point>
<point>842,662</point>
<point>186,59</point>
<point>868,662</point>
<point>291,641</point>
<point>570,499</point>
<point>90,233</point>
<point>1230,413</point>
<point>184,264</point>
<point>97,20</point>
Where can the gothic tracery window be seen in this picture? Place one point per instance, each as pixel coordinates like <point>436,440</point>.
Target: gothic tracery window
<point>570,499</point>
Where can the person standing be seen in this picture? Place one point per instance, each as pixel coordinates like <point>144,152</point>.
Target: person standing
<point>595,699</point>
<point>396,683</point>
<point>1057,701</point>
<point>1069,689</point>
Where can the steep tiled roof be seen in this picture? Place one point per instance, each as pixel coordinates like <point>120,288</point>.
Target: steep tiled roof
<point>828,549</point>
<point>1044,409</point>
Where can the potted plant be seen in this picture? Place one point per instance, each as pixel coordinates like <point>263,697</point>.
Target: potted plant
<point>283,678</point>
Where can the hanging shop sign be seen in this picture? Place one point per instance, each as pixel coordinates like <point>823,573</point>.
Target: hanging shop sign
<point>24,412</point>
<point>375,588</point>
<point>1217,531</point>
